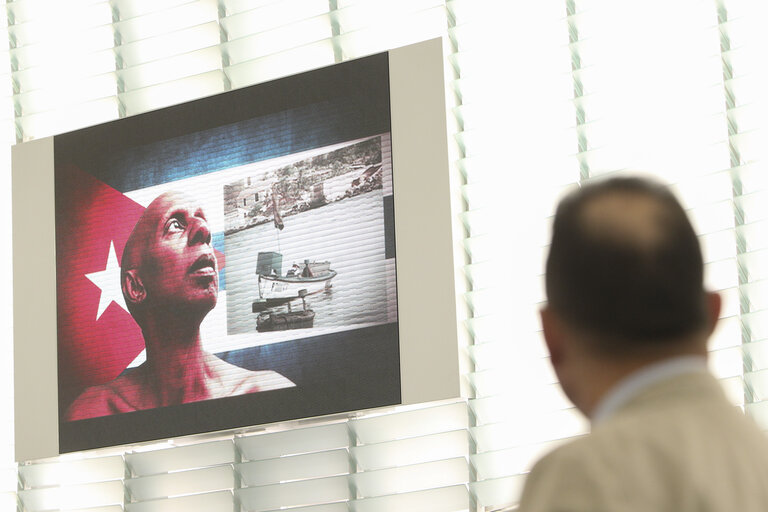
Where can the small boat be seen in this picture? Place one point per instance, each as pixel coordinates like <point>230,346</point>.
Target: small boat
<point>269,321</point>
<point>275,288</point>
<point>273,321</point>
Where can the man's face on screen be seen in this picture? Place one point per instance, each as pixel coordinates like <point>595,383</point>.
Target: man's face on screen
<point>179,268</point>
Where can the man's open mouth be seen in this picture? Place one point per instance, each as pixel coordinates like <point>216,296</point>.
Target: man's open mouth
<point>203,266</point>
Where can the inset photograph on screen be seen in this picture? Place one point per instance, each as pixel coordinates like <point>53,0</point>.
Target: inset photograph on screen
<point>228,262</point>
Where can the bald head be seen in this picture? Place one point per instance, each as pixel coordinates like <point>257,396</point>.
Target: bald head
<point>168,261</point>
<point>625,264</point>
<point>144,231</point>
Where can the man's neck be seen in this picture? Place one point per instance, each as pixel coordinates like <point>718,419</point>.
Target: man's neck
<point>598,374</point>
<point>177,369</point>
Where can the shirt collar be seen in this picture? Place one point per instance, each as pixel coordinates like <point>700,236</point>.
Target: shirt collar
<point>628,387</point>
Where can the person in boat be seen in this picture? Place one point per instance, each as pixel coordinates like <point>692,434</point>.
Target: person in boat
<point>169,279</point>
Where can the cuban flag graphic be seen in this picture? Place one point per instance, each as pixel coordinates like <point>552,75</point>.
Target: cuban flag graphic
<point>98,338</point>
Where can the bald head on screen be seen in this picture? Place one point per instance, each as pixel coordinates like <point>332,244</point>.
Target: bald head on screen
<point>169,272</point>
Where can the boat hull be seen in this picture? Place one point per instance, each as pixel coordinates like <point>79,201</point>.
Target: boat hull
<point>277,290</point>
<point>267,322</point>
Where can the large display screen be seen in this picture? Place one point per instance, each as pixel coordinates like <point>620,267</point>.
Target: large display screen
<point>231,261</point>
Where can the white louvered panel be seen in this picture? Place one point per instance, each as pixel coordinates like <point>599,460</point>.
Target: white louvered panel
<point>71,472</point>
<point>535,429</point>
<point>171,68</point>
<point>620,77</point>
<point>243,48</point>
<point>506,407</point>
<point>173,93</point>
<point>246,17</point>
<point>8,502</point>
<point>72,496</point>
<point>65,119</point>
<point>497,492</point>
<point>489,330</point>
<point>109,508</point>
<point>238,6</point>
<point>447,499</point>
<point>730,306</point>
<point>293,494</point>
<point>61,41</point>
<point>727,362</point>
<point>168,45</point>
<point>757,294</point>
<point>7,470</point>
<point>134,8</point>
<point>524,348</point>
<point>192,481</point>
<point>294,468</point>
<point>727,334</point>
<point>358,15</point>
<point>702,190</point>
<point>733,387</point>
<point>290,62</point>
<point>757,382</point>
<point>292,442</point>
<point>510,461</point>
<point>411,451</point>
<point>751,176</point>
<point>500,300</point>
<point>87,26</point>
<point>754,234</point>
<point>534,373</point>
<point>42,76</point>
<point>74,92</point>
<point>721,275</point>
<point>328,507</point>
<point>757,327</point>
<point>8,476</point>
<point>165,21</point>
<point>22,11</point>
<point>758,411</point>
<point>417,477</point>
<point>180,458</point>
<point>419,422</point>
<point>750,143</point>
<point>418,26</point>
<point>221,500</point>
<point>490,250</point>
<point>719,245</point>
<point>753,206</point>
<point>755,263</point>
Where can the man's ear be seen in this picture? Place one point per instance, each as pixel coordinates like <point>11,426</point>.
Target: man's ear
<point>714,303</point>
<point>550,323</point>
<point>133,288</point>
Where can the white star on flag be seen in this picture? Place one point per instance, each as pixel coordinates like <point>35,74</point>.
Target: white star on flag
<point>108,280</point>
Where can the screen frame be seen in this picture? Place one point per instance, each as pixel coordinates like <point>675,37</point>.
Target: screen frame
<point>428,341</point>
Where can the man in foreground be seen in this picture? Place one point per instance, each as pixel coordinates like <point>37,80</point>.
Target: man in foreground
<point>627,324</point>
<point>169,279</point>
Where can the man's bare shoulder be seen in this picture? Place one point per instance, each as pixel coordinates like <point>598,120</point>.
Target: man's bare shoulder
<point>117,396</point>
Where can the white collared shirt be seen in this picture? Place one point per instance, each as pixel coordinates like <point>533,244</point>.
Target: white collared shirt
<point>630,386</point>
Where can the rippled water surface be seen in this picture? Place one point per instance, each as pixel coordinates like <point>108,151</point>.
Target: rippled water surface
<point>348,233</point>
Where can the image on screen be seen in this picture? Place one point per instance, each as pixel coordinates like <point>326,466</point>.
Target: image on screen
<point>228,262</point>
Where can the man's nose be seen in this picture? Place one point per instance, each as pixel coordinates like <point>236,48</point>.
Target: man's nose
<point>200,234</point>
